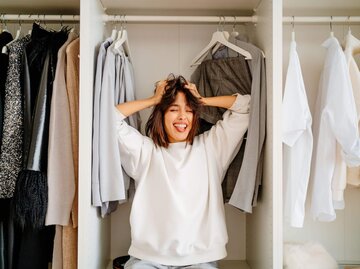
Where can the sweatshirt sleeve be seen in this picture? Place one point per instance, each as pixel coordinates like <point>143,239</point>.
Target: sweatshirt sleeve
<point>224,139</point>
<point>135,148</point>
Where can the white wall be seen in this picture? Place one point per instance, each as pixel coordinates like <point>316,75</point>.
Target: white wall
<point>157,50</point>
<point>341,237</point>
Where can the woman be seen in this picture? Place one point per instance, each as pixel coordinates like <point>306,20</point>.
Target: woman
<point>177,217</point>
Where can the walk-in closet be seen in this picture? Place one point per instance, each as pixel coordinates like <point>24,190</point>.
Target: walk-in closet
<point>164,37</point>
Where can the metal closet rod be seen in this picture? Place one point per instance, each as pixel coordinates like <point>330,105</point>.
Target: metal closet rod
<point>185,19</point>
<point>40,17</point>
<point>188,19</point>
<point>321,19</point>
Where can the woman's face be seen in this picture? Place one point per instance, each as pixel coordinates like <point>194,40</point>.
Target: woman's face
<point>178,119</point>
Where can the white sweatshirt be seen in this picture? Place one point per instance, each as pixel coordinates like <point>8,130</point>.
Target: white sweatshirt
<point>177,216</point>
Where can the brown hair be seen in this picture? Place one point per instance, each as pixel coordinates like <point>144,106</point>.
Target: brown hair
<point>155,128</point>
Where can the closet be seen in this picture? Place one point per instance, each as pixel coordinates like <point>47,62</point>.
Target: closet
<point>340,237</point>
<point>158,48</point>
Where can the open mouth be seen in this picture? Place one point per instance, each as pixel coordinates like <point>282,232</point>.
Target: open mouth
<point>180,127</point>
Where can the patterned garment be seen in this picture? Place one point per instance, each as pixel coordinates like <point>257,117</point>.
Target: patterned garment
<point>12,140</point>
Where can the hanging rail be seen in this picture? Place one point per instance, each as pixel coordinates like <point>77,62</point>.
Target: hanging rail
<point>179,19</point>
<point>322,19</point>
<point>40,17</point>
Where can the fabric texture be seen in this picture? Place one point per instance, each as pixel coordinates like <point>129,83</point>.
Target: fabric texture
<point>352,46</point>
<point>188,223</point>
<point>12,139</point>
<point>297,142</point>
<point>61,182</point>
<point>5,38</point>
<point>335,95</point>
<point>223,77</point>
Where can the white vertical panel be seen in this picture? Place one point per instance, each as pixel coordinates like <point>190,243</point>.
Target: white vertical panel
<point>264,226</point>
<point>340,237</point>
<point>93,237</point>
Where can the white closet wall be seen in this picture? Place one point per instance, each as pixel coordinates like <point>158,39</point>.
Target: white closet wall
<point>341,237</point>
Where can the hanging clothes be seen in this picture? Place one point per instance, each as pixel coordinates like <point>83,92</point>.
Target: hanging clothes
<point>298,142</point>
<point>243,194</point>
<point>61,182</point>
<point>114,84</point>
<point>223,76</point>
<point>335,121</point>
<point>351,48</point>
<point>5,38</point>
<point>12,139</point>
<point>95,174</point>
<point>72,85</point>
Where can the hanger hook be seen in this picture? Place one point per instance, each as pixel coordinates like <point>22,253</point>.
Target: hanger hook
<point>224,23</point>
<point>331,26</point>
<point>349,22</point>
<point>125,22</point>
<point>19,21</point>
<point>293,23</point>
<point>234,24</point>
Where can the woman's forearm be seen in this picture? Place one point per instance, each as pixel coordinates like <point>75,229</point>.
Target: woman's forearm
<point>132,107</point>
<point>219,101</point>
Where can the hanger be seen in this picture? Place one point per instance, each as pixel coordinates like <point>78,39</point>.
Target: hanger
<point>122,40</point>
<point>218,45</point>
<point>350,39</point>
<point>293,30</point>
<point>234,33</point>
<point>114,30</point>
<point>331,27</point>
<point>17,36</point>
<point>219,37</point>
<point>4,25</point>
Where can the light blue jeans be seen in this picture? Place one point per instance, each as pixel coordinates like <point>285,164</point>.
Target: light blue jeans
<point>134,263</point>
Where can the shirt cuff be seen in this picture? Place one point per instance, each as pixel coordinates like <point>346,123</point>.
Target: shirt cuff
<point>241,104</point>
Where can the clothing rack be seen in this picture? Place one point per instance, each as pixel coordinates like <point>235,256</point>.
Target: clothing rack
<point>181,19</point>
<point>39,17</point>
<point>322,19</point>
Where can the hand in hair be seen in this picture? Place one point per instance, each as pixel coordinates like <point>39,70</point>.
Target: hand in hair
<point>159,91</point>
<point>192,88</point>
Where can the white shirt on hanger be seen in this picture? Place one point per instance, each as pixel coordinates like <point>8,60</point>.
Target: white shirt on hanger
<point>335,121</point>
<point>298,142</point>
<point>352,44</point>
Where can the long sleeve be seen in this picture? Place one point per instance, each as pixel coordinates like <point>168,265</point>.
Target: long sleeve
<point>335,121</point>
<point>298,142</point>
<point>61,183</point>
<point>224,139</point>
<point>112,186</point>
<point>135,149</point>
<point>95,180</point>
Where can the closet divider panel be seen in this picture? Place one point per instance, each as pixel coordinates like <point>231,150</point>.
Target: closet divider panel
<point>93,232</point>
<point>264,226</point>
<point>340,237</point>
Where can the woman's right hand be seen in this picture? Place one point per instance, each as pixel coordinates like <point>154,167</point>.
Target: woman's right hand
<point>159,91</point>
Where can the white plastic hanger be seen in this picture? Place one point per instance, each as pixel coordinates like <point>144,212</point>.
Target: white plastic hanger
<point>355,43</point>
<point>219,37</point>
<point>122,40</point>
<point>18,34</point>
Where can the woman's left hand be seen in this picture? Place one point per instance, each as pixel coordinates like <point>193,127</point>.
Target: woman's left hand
<point>192,88</point>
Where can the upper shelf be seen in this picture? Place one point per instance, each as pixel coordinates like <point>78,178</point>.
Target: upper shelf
<point>184,7</point>
<point>60,7</point>
<point>321,7</point>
